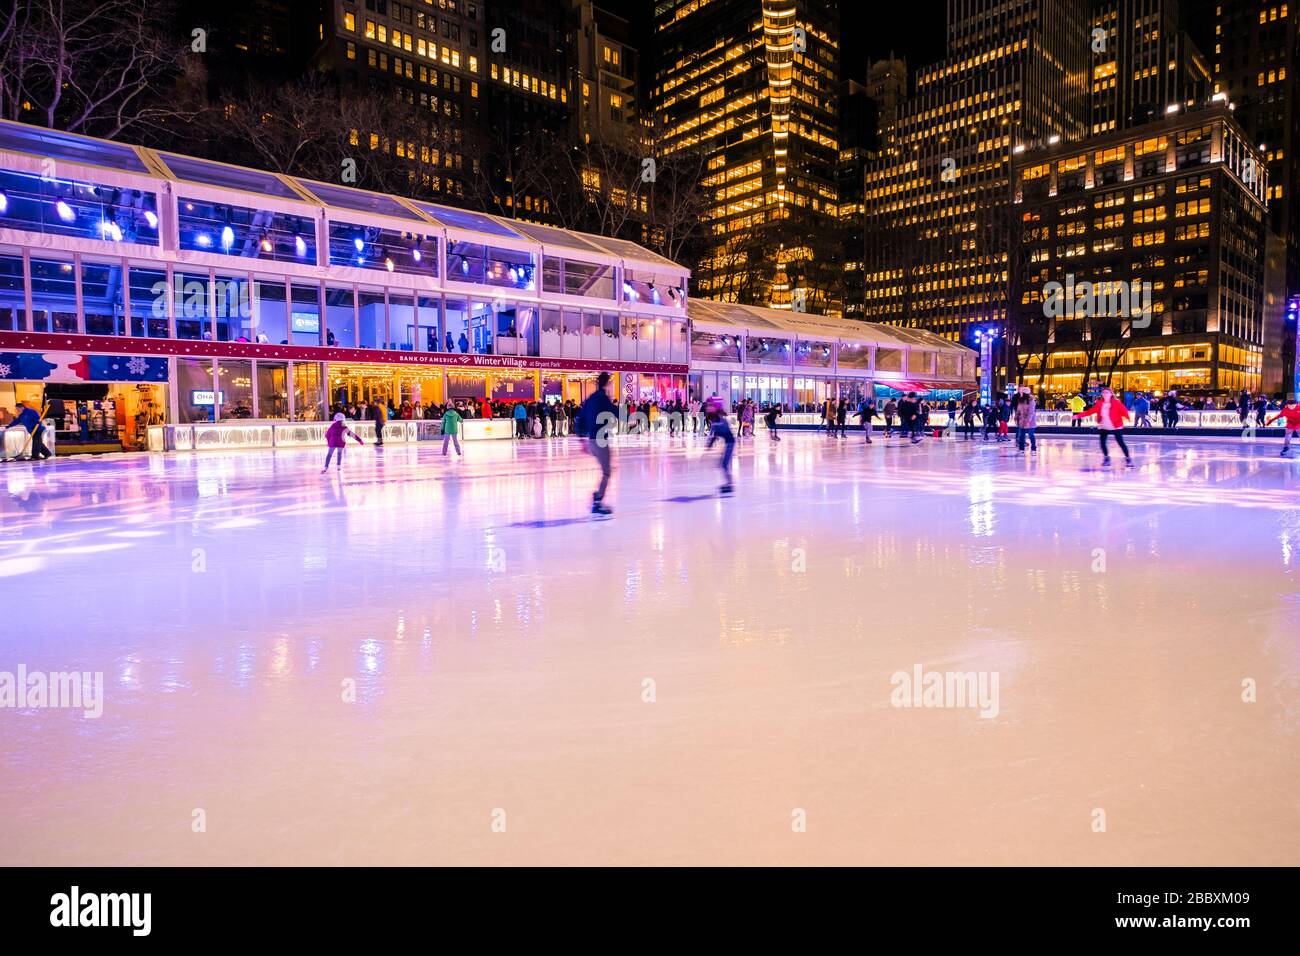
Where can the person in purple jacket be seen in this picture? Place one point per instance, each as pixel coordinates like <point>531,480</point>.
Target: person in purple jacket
<point>335,437</point>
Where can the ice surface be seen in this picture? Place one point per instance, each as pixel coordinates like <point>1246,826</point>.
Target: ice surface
<point>500,642</point>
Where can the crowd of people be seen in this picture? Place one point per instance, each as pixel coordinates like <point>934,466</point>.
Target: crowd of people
<point>908,416</point>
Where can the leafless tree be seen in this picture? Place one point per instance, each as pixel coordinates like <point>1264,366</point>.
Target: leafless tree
<point>98,67</point>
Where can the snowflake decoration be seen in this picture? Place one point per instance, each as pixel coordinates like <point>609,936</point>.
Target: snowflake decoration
<point>137,365</point>
<point>4,370</point>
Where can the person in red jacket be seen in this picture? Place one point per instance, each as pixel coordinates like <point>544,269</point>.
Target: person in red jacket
<point>1292,415</point>
<point>1110,413</point>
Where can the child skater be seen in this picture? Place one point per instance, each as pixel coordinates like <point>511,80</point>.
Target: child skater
<point>335,436</point>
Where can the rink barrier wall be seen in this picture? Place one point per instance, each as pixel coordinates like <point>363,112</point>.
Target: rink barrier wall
<point>206,436</point>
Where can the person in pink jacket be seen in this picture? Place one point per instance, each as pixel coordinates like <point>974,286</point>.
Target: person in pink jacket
<point>1110,413</point>
<point>335,437</point>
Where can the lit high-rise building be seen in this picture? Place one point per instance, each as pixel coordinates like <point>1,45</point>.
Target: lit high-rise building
<point>1251,49</point>
<point>753,84</point>
<point>937,202</point>
<point>887,86</point>
<point>1143,61</point>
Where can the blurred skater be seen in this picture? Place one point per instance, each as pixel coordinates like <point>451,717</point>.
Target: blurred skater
<point>596,420</point>
<point>716,415</point>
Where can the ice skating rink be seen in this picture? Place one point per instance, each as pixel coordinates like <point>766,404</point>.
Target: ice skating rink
<point>441,661</point>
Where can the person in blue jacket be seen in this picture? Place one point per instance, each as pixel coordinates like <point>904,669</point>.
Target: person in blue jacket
<point>30,419</point>
<point>595,422</point>
<point>521,419</point>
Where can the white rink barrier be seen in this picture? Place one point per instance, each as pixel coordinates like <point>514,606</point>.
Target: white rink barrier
<point>1216,418</point>
<point>225,435</point>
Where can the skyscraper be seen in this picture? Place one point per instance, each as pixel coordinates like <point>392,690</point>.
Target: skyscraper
<point>938,212</point>
<point>608,68</point>
<point>887,86</point>
<point>1251,49</point>
<point>1142,62</point>
<point>753,83</point>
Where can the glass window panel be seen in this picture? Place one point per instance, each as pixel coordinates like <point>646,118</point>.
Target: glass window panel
<point>340,317</point>
<point>234,389</point>
<point>304,317</point>
<point>889,360</point>
<point>372,326</point>
<point>854,355</point>
<point>653,288</point>
<point>244,231</point>
<point>572,322</point>
<point>190,292</point>
<point>273,390</point>
<point>269,320</point>
<point>509,267</point>
<point>390,250</point>
<point>481,319</point>
<point>817,354</point>
<point>308,392</point>
<point>551,332</point>
<point>232,177</point>
<point>236,310</point>
<point>714,347</point>
<point>463,219</point>
<point>465,262</point>
<point>663,345</point>
<point>148,302</point>
<point>401,320</point>
<point>588,279</point>
<point>54,296</point>
<point>194,391</point>
<point>430,318</point>
<point>456,329</point>
<point>13,305</point>
<point>552,275</point>
<point>101,298</point>
<point>76,208</point>
<point>69,147</point>
<point>358,199</point>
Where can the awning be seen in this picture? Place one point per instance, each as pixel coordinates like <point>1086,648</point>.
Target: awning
<point>925,388</point>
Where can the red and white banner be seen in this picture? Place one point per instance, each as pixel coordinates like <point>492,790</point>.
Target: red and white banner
<point>121,345</point>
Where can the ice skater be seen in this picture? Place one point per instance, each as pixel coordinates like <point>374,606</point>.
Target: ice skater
<point>1110,413</point>
<point>716,415</point>
<point>866,412</point>
<point>1026,420</point>
<point>336,437</point>
<point>909,415</point>
<point>451,429</point>
<point>596,419</point>
<point>773,416</point>
<point>1291,412</point>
